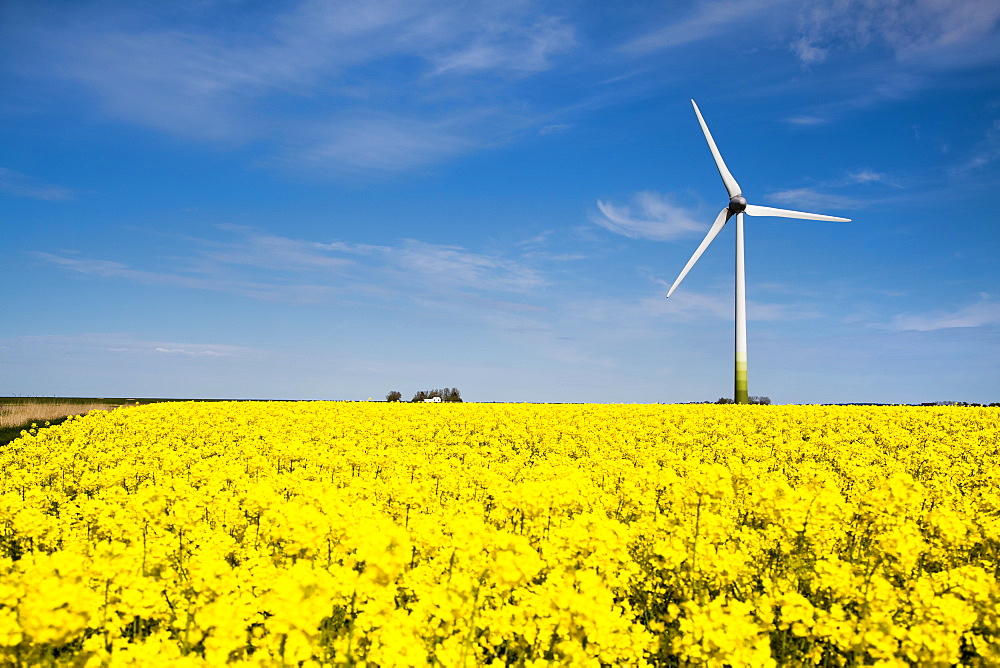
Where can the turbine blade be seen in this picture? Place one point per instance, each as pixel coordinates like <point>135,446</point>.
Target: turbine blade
<point>755,210</point>
<point>732,187</point>
<point>717,226</point>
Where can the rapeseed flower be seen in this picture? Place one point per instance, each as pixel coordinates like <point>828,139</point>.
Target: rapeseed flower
<point>322,534</point>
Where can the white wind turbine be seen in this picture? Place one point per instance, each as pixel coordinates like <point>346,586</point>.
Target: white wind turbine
<point>737,207</point>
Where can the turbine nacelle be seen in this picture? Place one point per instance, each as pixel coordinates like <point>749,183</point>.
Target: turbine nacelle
<point>737,204</point>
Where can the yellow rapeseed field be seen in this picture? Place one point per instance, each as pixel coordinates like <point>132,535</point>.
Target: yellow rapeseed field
<point>374,534</point>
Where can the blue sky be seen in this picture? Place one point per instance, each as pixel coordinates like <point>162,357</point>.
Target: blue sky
<point>332,200</point>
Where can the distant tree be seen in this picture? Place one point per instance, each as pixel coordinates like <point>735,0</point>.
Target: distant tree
<point>724,400</point>
<point>446,394</point>
<point>763,401</point>
<point>393,396</point>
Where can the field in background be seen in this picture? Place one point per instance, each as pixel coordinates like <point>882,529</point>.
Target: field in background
<point>16,411</point>
<point>386,534</point>
<point>17,414</point>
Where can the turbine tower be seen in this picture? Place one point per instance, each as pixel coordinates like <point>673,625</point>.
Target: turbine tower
<point>737,207</point>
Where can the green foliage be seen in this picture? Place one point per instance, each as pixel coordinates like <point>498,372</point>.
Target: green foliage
<point>447,394</point>
<point>763,401</point>
<point>8,434</point>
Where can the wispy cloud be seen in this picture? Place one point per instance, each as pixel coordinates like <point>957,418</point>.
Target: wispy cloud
<point>191,352</point>
<point>982,313</point>
<point>870,176</point>
<point>807,198</point>
<point>525,48</point>
<point>251,248</point>
<point>708,20</point>
<point>274,268</point>
<point>440,267</point>
<point>121,343</point>
<point>375,85</point>
<point>808,52</point>
<point>870,52</point>
<point>205,278</point>
<point>809,119</point>
<point>939,34</point>
<point>179,73</point>
<point>453,266</point>
<point>382,144</point>
<point>651,317</point>
<point>184,83</point>
<point>853,90</point>
<point>21,185</point>
<point>651,216</point>
<point>985,153</point>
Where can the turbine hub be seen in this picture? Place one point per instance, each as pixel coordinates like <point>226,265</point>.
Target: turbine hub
<point>737,204</point>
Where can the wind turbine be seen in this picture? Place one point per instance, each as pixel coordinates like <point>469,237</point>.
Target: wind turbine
<point>737,207</point>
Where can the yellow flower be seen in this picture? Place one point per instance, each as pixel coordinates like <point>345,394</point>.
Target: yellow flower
<point>323,533</point>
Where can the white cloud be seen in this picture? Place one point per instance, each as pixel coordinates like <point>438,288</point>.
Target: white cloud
<point>986,152</point>
<point>871,176</point>
<point>553,128</point>
<point>273,268</point>
<point>318,83</point>
<point>866,53</point>
<point>807,52</point>
<point>808,199</point>
<point>688,306</point>
<point>454,267</point>
<point>652,216</point>
<point>206,276</point>
<point>15,183</point>
<point>809,119</point>
<point>180,73</point>
<point>442,267</point>
<point>526,48</point>
<point>189,352</point>
<point>185,84</point>
<point>710,19</point>
<point>118,343</point>
<point>269,251</point>
<point>653,318</point>
<point>384,144</point>
<point>934,33</point>
<point>980,314</point>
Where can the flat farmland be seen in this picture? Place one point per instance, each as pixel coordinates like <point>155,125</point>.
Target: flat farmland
<point>378,534</point>
<point>18,413</point>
